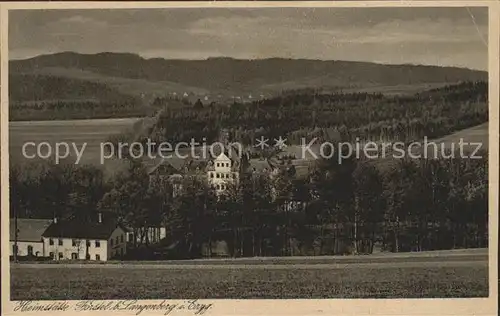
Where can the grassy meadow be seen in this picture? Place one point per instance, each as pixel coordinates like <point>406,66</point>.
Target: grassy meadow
<point>89,132</point>
<point>279,282</point>
<point>456,273</point>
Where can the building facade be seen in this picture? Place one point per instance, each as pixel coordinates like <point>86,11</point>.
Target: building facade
<point>98,239</point>
<point>29,241</point>
<point>222,174</point>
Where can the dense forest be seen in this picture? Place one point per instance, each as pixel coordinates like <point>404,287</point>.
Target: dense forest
<point>338,209</point>
<point>329,117</point>
<point>36,88</point>
<point>41,97</point>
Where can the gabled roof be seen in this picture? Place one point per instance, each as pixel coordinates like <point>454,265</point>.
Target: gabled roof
<point>222,157</point>
<point>259,165</point>
<point>163,167</point>
<point>28,229</point>
<point>196,164</point>
<point>84,228</point>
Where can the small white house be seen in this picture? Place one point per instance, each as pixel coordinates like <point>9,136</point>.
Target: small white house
<point>29,236</point>
<point>99,239</point>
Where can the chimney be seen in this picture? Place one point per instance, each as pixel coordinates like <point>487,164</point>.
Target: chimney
<point>100,217</point>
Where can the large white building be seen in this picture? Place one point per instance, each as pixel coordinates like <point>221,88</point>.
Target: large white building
<point>222,174</point>
<point>100,238</point>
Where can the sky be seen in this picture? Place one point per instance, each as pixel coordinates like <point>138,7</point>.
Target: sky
<point>428,36</point>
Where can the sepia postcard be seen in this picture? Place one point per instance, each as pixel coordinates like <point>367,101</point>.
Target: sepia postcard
<point>250,158</point>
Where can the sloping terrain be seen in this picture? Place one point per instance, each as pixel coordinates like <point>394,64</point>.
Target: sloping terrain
<point>133,75</point>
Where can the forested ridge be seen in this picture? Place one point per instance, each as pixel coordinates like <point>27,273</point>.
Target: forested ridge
<point>42,97</point>
<point>61,86</point>
<point>332,117</point>
<point>253,76</point>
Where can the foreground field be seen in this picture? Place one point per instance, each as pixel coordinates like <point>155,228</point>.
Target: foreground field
<point>429,276</point>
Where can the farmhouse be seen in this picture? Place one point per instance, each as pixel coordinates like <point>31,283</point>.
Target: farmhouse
<point>29,236</point>
<point>98,238</point>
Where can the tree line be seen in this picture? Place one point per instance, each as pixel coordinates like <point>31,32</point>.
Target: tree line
<point>329,117</point>
<point>76,109</point>
<point>352,207</point>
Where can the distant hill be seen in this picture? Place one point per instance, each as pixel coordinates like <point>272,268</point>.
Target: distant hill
<point>36,87</point>
<point>132,75</point>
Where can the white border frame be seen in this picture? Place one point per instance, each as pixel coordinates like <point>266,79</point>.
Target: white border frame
<point>473,306</point>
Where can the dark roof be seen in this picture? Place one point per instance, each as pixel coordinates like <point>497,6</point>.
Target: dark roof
<point>194,166</point>
<point>300,153</point>
<point>164,167</point>
<point>29,229</point>
<point>75,227</point>
<point>259,165</point>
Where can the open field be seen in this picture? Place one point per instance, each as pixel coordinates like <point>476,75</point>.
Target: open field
<point>80,132</point>
<point>124,85</point>
<point>476,134</point>
<point>455,255</point>
<point>404,276</point>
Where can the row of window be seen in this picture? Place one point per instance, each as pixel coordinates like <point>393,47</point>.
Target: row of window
<point>74,256</point>
<point>76,242</point>
<point>222,164</point>
<point>221,175</point>
<point>15,250</point>
<point>221,186</point>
